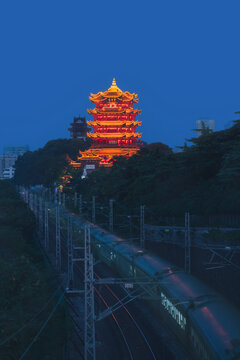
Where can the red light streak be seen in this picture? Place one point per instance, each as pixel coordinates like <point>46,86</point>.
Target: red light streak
<point>221,332</point>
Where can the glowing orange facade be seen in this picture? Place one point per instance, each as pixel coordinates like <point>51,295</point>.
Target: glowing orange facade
<point>114,127</point>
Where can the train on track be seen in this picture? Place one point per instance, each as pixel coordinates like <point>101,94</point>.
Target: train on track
<point>207,324</point>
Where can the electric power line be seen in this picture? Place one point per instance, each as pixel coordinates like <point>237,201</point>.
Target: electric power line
<point>42,327</point>
<point>31,320</point>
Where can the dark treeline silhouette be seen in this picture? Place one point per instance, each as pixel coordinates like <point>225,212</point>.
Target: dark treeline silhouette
<point>45,166</point>
<point>27,283</point>
<point>203,178</point>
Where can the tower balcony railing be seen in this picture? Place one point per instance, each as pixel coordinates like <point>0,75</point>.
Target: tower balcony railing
<point>102,145</point>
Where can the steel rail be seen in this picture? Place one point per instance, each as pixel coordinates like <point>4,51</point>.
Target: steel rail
<point>130,315</point>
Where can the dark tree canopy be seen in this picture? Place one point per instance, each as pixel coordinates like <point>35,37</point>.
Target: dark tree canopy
<point>203,178</point>
<point>46,165</point>
<point>26,284</point>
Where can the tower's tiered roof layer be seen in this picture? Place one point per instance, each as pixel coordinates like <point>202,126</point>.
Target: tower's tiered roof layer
<point>114,127</point>
<point>114,94</point>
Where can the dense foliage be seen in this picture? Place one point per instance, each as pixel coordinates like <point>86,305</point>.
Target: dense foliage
<point>203,178</point>
<point>46,165</point>
<point>26,285</point>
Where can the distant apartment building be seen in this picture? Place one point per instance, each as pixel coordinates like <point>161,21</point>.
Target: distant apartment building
<point>8,173</point>
<point>204,124</point>
<point>7,160</point>
<point>79,128</point>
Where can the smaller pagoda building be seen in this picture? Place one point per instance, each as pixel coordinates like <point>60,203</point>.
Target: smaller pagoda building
<point>113,127</point>
<point>79,128</point>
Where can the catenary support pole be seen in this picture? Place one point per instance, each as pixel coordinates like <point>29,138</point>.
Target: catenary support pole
<point>80,204</point>
<point>46,230</point>
<point>55,196</point>
<point>187,244</point>
<point>35,205</point>
<point>59,197</point>
<point>70,253</point>
<point>75,199</point>
<point>111,215</point>
<point>89,320</point>
<point>40,217</point>
<point>58,239</point>
<point>93,209</point>
<point>142,229</point>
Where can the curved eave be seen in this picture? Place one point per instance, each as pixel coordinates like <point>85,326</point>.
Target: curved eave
<point>116,94</point>
<point>114,135</point>
<point>97,154</point>
<point>75,164</point>
<point>113,111</point>
<point>134,111</point>
<point>114,123</point>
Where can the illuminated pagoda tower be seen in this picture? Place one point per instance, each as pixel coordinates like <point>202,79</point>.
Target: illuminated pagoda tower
<point>114,127</point>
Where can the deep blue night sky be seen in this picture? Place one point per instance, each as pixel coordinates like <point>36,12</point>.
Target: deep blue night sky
<point>181,57</point>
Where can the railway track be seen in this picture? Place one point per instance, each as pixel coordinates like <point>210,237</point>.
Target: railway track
<point>120,336</point>
<point>138,344</point>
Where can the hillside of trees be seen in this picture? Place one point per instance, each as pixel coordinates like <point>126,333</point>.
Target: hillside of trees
<point>28,286</point>
<point>203,178</point>
<point>46,165</point>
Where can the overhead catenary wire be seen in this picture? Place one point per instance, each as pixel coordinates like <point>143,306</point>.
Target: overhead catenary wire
<point>130,315</point>
<point>63,230</point>
<point>42,327</point>
<point>32,319</point>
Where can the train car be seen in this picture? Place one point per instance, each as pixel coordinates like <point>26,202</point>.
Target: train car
<point>202,319</point>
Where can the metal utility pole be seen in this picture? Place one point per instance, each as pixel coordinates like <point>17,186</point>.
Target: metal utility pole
<point>64,200</point>
<point>58,239</point>
<point>26,195</point>
<point>30,198</point>
<point>89,321</point>
<point>75,200</point>
<point>35,205</point>
<point>59,198</point>
<point>93,210</point>
<point>46,233</point>
<point>33,202</point>
<point>51,195</point>
<point>40,216</point>
<point>55,196</point>
<point>70,253</point>
<point>187,264</point>
<point>111,215</point>
<point>142,230</point>
<point>80,204</point>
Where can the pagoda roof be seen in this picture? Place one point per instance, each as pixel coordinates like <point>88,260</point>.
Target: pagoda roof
<point>116,135</point>
<point>117,110</point>
<point>114,123</point>
<point>96,154</point>
<point>113,93</point>
<point>75,164</point>
<point>104,156</point>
